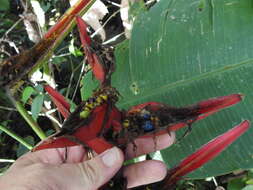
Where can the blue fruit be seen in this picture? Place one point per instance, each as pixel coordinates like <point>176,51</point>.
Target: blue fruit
<point>148,126</point>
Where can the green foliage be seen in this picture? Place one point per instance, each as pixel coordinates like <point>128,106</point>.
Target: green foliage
<point>5,5</point>
<point>39,88</point>
<point>45,6</point>
<point>136,8</point>
<point>38,98</point>
<point>236,184</point>
<point>73,50</point>
<point>180,55</point>
<point>245,182</point>
<point>37,105</point>
<point>50,132</point>
<point>21,149</point>
<point>248,187</point>
<point>88,85</point>
<point>3,169</point>
<point>26,94</point>
<point>202,4</point>
<point>5,23</point>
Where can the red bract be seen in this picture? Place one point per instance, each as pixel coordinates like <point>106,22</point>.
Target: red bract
<point>66,19</point>
<point>107,118</point>
<point>211,106</point>
<point>85,39</point>
<point>87,135</point>
<point>59,100</point>
<point>204,154</point>
<point>93,60</point>
<point>172,118</point>
<point>106,121</point>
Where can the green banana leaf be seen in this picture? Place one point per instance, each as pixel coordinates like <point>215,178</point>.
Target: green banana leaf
<point>182,52</point>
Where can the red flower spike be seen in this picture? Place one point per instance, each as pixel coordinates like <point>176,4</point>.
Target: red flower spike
<point>82,27</point>
<point>59,100</point>
<point>66,18</point>
<point>218,103</point>
<point>93,60</point>
<point>98,69</point>
<point>61,108</point>
<point>85,39</point>
<point>201,110</point>
<point>87,134</point>
<point>211,106</point>
<point>99,145</point>
<point>188,114</point>
<point>205,153</point>
<point>97,124</point>
<point>54,142</point>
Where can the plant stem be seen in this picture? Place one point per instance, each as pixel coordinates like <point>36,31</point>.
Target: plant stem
<point>7,160</point>
<point>33,124</point>
<point>16,137</point>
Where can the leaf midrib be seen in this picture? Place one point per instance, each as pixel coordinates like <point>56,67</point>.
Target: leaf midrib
<point>166,87</point>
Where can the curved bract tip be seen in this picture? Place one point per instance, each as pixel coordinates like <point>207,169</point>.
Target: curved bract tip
<point>206,153</point>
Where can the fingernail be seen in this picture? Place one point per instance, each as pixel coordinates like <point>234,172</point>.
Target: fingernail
<point>110,157</point>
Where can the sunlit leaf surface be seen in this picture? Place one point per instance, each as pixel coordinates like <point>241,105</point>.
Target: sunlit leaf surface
<point>181,53</point>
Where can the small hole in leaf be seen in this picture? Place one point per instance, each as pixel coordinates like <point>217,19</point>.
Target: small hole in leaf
<point>134,88</point>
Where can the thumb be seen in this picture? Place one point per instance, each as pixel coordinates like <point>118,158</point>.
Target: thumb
<point>91,174</point>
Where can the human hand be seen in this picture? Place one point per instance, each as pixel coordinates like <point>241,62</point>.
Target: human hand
<point>48,169</point>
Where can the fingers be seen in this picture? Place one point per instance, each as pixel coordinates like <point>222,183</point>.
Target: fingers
<point>151,144</point>
<point>145,172</point>
<point>77,153</point>
<point>149,171</point>
<point>72,154</point>
<point>97,171</point>
<point>90,174</point>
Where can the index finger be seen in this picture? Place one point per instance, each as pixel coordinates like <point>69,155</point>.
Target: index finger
<point>149,144</point>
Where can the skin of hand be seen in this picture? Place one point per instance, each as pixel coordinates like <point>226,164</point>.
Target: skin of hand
<point>49,170</point>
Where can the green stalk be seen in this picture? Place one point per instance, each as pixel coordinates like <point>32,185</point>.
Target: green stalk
<point>16,137</point>
<point>33,124</point>
<point>47,55</point>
